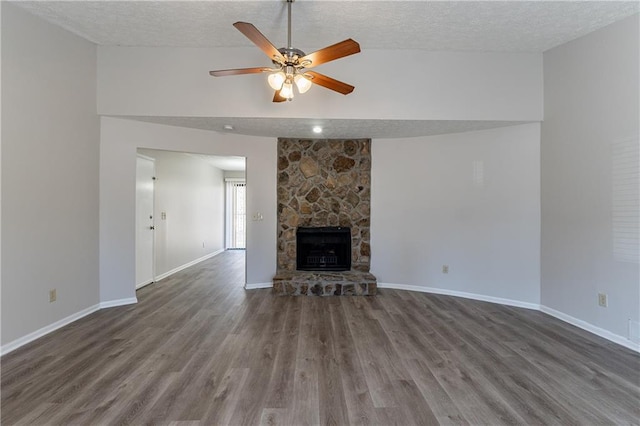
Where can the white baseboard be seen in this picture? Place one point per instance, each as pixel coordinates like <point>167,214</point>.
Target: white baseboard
<point>186,265</point>
<point>474,296</point>
<point>557,314</point>
<point>11,346</point>
<point>119,302</point>
<point>255,286</point>
<point>592,328</point>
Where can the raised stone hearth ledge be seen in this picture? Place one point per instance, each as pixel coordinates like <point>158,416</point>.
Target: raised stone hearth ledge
<point>325,283</point>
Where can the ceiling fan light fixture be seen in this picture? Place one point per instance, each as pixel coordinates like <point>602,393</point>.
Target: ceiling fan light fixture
<point>303,83</point>
<point>276,80</point>
<point>290,63</point>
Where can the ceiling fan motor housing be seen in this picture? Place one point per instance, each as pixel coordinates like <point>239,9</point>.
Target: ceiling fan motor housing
<point>291,55</point>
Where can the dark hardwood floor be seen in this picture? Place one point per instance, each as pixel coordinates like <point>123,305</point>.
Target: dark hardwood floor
<point>199,349</point>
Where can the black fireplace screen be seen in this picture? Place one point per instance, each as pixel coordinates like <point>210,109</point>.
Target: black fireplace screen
<point>325,248</point>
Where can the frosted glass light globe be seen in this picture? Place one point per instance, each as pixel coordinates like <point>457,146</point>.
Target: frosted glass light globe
<point>287,90</point>
<point>303,83</point>
<point>276,79</point>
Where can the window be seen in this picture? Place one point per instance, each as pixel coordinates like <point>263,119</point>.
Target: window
<point>236,213</point>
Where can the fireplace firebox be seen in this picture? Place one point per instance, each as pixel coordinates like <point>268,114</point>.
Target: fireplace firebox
<point>325,248</point>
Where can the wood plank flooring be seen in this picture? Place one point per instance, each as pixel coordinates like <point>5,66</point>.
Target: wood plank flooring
<point>200,350</point>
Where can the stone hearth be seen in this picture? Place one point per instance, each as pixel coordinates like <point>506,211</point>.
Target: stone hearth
<point>324,183</point>
<point>307,283</point>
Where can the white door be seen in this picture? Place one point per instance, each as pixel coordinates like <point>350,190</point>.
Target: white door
<point>145,172</point>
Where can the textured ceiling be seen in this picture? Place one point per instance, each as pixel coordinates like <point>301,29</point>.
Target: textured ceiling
<point>332,129</point>
<point>502,26</point>
<point>505,26</point>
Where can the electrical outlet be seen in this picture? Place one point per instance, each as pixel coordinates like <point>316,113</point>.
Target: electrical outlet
<point>445,269</point>
<point>602,300</point>
<point>53,296</point>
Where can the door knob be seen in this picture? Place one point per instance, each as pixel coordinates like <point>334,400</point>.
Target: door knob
<point>152,227</point>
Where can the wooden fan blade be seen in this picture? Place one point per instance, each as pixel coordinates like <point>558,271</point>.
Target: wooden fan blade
<point>330,53</point>
<point>330,83</point>
<point>253,34</point>
<point>237,71</point>
<point>277,97</point>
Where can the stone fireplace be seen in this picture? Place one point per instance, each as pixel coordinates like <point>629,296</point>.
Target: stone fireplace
<point>324,188</point>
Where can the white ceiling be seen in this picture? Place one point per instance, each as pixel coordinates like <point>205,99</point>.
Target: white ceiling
<point>331,129</point>
<point>504,26</point>
<point>235,164</point>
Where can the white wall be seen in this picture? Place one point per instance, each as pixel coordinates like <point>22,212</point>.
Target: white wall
<point>433,85</point>
<point>591,110</point>
<point>119,140</point>
<point>0,178</point>
<point>190,192</point>
<point>50,137</point>
<point>470,201</point>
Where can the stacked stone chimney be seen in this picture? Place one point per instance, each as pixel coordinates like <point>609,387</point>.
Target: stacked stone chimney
<point>325,183</point>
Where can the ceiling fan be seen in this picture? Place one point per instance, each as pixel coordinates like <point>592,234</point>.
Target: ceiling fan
<point>292,65</point>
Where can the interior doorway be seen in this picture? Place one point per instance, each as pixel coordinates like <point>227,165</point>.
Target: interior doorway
<point>181,211</point>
